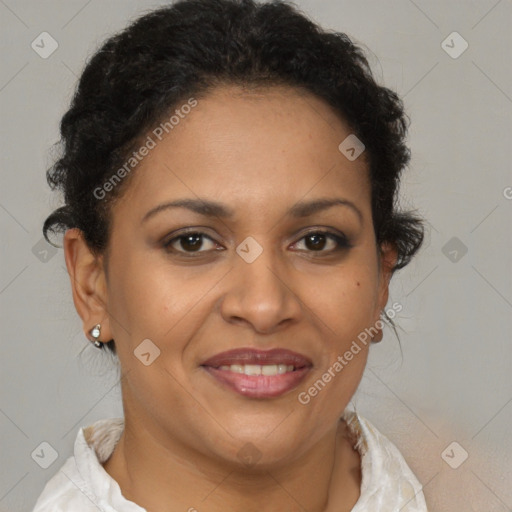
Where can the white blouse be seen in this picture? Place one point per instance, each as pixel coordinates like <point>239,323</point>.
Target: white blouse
<point>83,485</point>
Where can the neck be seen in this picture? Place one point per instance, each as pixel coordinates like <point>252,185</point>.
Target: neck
<point>160,474</point>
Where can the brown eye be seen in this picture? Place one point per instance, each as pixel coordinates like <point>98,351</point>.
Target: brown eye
<point>188,243</point>
<point>317,241</point>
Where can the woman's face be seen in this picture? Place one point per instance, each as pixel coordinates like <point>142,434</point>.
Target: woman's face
<point>259,278</point>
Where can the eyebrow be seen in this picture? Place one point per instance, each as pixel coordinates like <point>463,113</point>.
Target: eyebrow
<point>214,209</point>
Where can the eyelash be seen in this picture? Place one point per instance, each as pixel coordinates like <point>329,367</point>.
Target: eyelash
<point>341,241</point>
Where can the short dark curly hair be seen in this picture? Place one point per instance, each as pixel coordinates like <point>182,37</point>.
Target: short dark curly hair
<point>188,48</point>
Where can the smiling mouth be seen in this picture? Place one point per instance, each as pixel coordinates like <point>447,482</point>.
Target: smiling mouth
<point>258,374</point>
<point>256,369</point>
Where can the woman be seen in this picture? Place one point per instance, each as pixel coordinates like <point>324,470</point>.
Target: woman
<point>230,174</point>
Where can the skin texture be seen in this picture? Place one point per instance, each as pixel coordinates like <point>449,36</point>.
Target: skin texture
<point>258,152</point>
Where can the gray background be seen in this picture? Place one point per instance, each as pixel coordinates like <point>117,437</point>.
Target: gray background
<point>453,381</point>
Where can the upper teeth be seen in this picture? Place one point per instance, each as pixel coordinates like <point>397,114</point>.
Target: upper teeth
<point>256,369</point>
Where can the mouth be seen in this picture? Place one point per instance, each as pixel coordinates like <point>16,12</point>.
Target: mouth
<point>256,373</point>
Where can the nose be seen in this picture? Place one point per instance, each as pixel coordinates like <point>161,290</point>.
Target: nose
<point>261,294</point>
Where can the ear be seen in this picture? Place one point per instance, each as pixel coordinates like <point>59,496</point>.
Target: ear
<point>388,256</point>
<point>88,282</point>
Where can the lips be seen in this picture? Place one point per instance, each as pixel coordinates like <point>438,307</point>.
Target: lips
<point>243,356</point>
<point>257,373</point>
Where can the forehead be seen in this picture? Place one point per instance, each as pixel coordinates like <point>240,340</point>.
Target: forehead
<point>256,149</point>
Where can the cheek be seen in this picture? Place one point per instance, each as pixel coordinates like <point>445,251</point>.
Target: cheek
<point>153,301</point>
<point>345,302</point>
<point>144,293</point>
<point>138,305</point>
